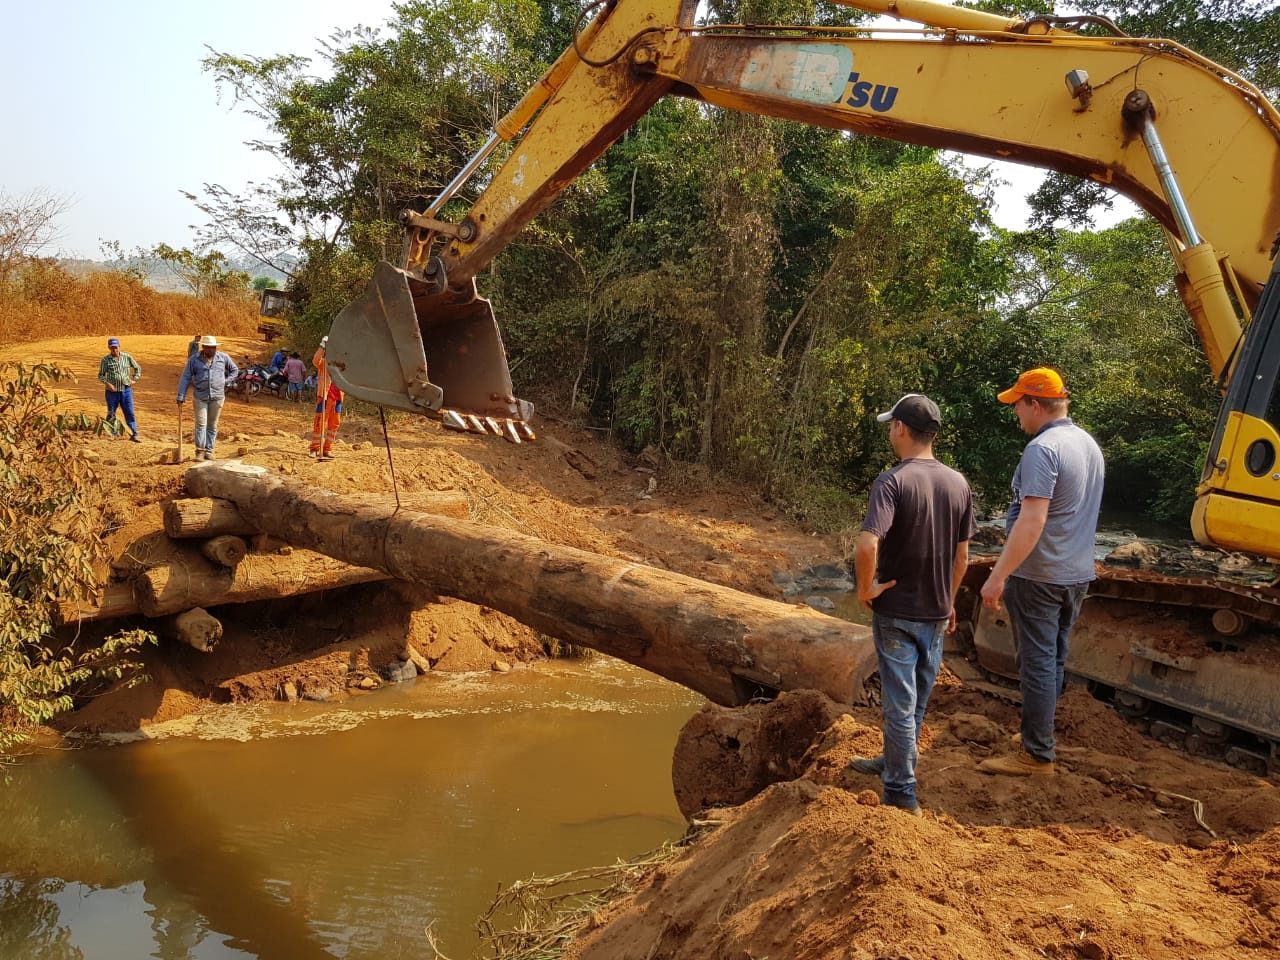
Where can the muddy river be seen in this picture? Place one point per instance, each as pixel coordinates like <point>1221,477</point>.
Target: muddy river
<point>336,830</point>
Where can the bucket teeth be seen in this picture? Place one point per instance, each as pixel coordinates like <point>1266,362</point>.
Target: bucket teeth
<point>513,431</point>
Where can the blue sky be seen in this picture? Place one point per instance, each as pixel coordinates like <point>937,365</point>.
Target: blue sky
<point>116,115</point>
<point>105,104</point>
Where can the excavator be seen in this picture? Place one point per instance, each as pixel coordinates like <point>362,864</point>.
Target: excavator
<point>1194,145</point>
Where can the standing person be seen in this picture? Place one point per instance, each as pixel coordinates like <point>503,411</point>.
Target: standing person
<point>295,372</point>
<point>324,428</point>
<point>1047,563</point>
<point>209,372</point>
<point>910,557</point>
<point>118,372</point>
<point>193,347</point>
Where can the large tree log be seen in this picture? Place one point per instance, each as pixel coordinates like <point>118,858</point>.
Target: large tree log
<point>194,582</point>
<point>209,517</point>
<point>204,518</point>
<point>116,601</point>
<point>721,642</point>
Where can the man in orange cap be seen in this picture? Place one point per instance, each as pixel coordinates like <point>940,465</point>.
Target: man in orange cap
<point>1047,563</point>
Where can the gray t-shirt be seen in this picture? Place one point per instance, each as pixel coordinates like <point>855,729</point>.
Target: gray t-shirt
<point>921,510</point>
<point>1063,464</point>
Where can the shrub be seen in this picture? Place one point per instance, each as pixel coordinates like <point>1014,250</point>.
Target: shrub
<point>50,549</point>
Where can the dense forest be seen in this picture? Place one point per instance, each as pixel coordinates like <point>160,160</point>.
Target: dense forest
<point>741,292</point>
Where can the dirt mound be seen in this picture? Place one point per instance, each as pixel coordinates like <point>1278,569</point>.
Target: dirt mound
<point>1106,860</point>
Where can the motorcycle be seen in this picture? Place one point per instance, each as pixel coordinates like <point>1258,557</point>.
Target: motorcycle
<point>250,381</point>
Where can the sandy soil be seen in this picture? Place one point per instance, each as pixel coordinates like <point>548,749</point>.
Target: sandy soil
<point>1106,860</point>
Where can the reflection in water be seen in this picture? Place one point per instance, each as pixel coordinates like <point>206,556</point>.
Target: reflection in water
<point>341,830</point>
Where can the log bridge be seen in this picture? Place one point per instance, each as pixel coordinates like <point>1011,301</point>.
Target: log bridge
<point>727,645</point>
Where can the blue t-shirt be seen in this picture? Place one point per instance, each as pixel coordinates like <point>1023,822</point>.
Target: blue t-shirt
<point>1063,464</point>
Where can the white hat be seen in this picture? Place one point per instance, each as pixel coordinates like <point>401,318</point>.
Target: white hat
<point>324,342</point>
<point>208,340</point>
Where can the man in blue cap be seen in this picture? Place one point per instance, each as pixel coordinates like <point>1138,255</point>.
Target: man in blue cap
<point>119,372</point>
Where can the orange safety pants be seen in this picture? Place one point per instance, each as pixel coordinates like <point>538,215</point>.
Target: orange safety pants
<point>324,428</point>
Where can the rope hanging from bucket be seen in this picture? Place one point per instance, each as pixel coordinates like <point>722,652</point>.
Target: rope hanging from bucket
<point>382,413</point>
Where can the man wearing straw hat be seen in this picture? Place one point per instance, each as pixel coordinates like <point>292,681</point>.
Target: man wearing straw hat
<point>208,372</point>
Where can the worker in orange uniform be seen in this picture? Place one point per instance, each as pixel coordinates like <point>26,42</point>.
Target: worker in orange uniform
<point>324,428</point>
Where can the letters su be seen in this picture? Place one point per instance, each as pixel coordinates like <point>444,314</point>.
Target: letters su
<point>863,93</point>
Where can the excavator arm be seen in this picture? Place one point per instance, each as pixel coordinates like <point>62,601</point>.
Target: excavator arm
<point>1194,145</point>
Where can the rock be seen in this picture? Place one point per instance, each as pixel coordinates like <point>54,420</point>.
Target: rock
<point>398,671</point>
<point>868,798</point>
<point>289,691</point>
<point>974,728</point>
<point>500,666</point>
<point>1137,553</point>
<point>288,468</point>
<point>242,451</point>
<point>825,604</point>
<point>93,455</point>
<point>362,445</point>
<point>241,438</point>
<point>320,694</point>
<point>988,536</point>
<point>367,683</point>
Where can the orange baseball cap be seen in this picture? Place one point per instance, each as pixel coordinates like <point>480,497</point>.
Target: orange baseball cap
<point>1041,382</point>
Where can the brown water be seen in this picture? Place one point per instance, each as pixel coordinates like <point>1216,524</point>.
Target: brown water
<point>318,830</point>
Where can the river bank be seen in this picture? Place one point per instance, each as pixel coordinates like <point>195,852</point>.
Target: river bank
<point>1132,851</point>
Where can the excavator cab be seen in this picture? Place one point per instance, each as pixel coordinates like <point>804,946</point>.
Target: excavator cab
<point>407,344</point>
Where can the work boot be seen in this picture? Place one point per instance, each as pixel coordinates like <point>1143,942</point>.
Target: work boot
<point>872,766</point>
<point>135,438</point>
<point>905,804</point>
<point>208,454</point>
<point>1020,764</point>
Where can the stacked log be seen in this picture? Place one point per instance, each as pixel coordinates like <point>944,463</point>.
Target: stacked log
<point>727,645</point>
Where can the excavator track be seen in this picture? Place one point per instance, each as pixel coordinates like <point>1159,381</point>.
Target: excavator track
<point>1193,660</point>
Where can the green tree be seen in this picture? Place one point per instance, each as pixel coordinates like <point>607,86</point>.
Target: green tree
<point>205,274</point>
<point>50,548</point>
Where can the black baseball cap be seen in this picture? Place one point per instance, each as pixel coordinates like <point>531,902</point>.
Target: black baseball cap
<point>916,411</point>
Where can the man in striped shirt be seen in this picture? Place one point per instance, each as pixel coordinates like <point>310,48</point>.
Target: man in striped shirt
<point>119,372</point>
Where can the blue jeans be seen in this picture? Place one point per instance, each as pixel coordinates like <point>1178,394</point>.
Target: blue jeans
<point>122,400</point>
<point>1041,615</point>
<point>206,417</point>
<point>909,653</point>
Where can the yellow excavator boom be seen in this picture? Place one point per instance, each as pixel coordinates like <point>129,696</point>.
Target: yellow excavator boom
<point>1194,145</point>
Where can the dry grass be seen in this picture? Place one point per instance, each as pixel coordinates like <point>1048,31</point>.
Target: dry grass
<point>46,301</point>
<point>536,919</point>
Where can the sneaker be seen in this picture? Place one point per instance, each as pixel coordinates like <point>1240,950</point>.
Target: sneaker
<point>872,766</point>
<point>1020,764</point>
<point>313,454</point>
<point>905,805</point>
<point>325,456</point>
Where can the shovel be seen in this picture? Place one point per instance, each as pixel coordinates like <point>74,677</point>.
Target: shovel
<point>180,457</point>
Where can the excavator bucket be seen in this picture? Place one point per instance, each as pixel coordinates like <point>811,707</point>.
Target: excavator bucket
<point>402,344</point>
